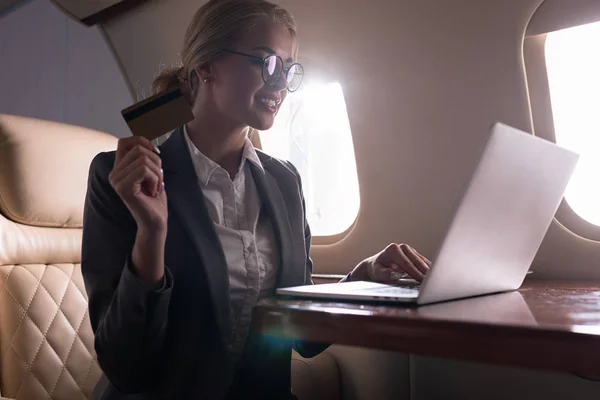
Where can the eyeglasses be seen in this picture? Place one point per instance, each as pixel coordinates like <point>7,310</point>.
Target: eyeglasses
<point>272,69</point>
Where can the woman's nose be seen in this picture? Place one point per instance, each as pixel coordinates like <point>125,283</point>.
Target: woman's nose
<point>281,82</point>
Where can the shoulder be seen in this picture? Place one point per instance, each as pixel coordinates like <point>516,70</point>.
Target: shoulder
<point>102,163</point>
<point>100,168</point>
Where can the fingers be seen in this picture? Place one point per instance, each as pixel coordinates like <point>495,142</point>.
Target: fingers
<point>138,159</point>
<point>403,258</point>
<point>126,144</point>
<point>422,257</point>
<point>135,153</point>
<point>417,261</point>
<point>393,255</point>
<point>408,266</point>
<point>384,274</point>
<point>136,162</point>
<point>141,172</point>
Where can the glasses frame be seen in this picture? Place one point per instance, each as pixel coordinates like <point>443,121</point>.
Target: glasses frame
<point>284,69</point>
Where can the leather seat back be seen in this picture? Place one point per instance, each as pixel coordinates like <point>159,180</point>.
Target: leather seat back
<point>46,341</point>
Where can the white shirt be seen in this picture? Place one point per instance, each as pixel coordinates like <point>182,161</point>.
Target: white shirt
<point>245,232</point>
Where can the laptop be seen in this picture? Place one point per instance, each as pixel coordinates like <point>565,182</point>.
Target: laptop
<point>495,232</point>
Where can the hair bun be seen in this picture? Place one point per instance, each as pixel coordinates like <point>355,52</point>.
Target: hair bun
<point>167,79</point>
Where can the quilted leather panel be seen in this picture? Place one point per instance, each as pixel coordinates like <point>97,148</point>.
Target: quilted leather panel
<point>46,340</point>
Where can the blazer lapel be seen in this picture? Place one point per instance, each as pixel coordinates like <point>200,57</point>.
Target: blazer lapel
<point>186,200</point>
<point>272,197</point>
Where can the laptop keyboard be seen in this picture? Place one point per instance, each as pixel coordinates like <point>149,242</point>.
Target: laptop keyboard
<point>397,289</point>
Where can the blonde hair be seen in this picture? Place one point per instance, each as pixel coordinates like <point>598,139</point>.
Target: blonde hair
<point>217,25</point>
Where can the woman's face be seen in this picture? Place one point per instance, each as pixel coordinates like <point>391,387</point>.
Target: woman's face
<point>237,86</point>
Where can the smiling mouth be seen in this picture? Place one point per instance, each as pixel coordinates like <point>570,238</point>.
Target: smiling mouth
<point>270,103</point>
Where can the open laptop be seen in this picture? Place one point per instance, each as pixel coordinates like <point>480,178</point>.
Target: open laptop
<point>496,229</point>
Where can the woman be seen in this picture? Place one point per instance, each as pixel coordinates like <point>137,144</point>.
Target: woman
<point>171,288</point>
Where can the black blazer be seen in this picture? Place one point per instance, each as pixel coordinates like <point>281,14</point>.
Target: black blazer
<point>172,344</point>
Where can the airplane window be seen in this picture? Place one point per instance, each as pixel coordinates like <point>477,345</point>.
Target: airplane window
<point>312,131</point>
<point>573,64</point>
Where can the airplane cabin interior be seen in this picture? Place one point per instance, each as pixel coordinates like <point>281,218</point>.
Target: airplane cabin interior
<point>387,130</point>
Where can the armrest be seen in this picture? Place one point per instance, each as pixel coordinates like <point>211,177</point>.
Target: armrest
<point>316,378</point>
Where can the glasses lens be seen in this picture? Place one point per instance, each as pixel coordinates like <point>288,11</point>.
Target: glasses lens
<point>272,69</point>
<point>294,77</point>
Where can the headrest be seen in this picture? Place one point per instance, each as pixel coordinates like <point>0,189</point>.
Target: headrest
<point>44,169</point>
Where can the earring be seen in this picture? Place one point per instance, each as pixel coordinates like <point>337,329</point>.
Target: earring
<point>205,80</point>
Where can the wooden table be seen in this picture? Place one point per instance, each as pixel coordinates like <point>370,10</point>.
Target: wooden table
<point>551,325</point>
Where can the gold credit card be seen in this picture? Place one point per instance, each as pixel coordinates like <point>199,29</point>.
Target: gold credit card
<point>159,114</point>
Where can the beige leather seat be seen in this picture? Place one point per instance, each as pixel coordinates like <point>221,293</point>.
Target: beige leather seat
<point>46,341</point>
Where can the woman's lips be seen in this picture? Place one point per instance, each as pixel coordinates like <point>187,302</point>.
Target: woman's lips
<point>270,103</point>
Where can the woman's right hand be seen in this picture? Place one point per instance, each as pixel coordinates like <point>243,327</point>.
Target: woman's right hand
<point>138,179</point>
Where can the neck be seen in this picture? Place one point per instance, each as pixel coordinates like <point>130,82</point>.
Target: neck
<point>222,144</point>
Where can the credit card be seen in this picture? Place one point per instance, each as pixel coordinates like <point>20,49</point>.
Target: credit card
<point>158,114</point>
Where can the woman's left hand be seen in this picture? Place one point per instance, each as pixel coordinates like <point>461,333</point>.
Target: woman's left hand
<point>394,262</point>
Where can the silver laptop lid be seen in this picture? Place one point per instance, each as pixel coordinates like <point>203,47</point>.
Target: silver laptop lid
<point>502,218</point>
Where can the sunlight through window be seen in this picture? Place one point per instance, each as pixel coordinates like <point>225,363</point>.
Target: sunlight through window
<point>573,63</point>
<point>313,132</point>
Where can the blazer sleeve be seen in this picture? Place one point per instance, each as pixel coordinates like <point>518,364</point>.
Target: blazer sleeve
<point>305,348</point>
<point>129,319</point>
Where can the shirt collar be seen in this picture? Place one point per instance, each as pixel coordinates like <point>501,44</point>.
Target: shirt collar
<point>205,167</point>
